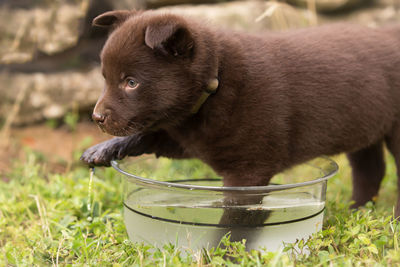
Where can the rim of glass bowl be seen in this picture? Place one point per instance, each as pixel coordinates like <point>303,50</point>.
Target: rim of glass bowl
<point>331,171</point>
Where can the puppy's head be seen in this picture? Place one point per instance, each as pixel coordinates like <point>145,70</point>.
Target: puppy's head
<point>155,67</point>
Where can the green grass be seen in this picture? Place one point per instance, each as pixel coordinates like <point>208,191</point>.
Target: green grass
<point>45,220</point>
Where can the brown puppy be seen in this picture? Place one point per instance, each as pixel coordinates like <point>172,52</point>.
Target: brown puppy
<point>280,99</point>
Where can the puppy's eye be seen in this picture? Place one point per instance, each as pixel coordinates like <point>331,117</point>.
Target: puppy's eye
<point>131,83</point>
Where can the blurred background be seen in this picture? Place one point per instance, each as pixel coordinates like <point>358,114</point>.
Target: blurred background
<point>49,65</point>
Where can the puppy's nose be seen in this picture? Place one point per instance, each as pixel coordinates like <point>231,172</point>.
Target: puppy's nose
<point>98,118</point>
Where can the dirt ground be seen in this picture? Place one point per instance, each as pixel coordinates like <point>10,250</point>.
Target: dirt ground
<point>58,146</point>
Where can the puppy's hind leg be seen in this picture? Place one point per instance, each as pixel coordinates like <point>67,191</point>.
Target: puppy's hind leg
<point>393,144</point>
<point>368,168</point>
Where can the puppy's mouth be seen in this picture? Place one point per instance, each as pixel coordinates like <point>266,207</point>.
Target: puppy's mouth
<point>116,128</point>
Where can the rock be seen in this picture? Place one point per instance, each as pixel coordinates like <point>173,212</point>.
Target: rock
<point>381,13</point>
<point>48,29</point>
<point>248,15</point>
<point>49,96</point>
<point>327,6</point>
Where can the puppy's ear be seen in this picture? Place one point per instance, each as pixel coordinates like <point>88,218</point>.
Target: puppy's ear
<point>112,18</point>
<point>170,38</point>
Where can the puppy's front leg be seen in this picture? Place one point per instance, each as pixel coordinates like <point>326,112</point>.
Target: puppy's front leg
<point>117,148</point>
<point>135,145</point>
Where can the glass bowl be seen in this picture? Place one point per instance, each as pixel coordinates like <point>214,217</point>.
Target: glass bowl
<point>184,203</point>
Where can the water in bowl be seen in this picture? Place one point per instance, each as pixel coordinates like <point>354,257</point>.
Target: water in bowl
<point>142,228</point>
<point>190,218</point>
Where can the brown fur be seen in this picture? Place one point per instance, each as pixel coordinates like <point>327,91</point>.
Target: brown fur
<point>283,98</point>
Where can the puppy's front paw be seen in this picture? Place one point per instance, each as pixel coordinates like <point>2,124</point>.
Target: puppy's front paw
<point>103,153</point>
